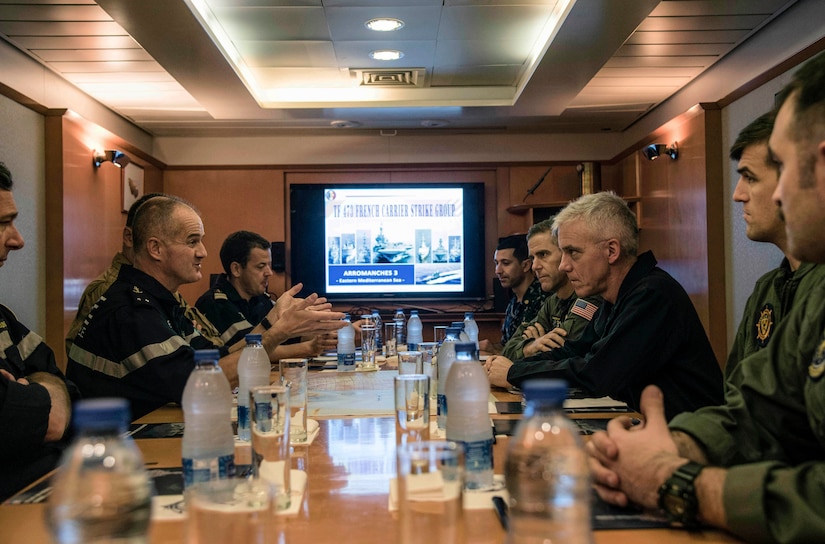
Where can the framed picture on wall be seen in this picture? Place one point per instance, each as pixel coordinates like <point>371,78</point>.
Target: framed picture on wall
<point>132,185</point>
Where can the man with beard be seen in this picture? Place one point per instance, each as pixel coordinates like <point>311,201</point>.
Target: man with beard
<point>239,301</point>
<point>137,343</point>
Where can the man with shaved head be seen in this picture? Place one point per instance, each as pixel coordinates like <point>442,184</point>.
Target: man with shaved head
<point>136,341</point>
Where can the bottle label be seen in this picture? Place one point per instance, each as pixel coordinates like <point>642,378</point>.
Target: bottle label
<point>412,346</point>
<point>243,422</point>
<point>478,457</point>
<point>442,404</point>
<point>346,361</point>
<point>205,470</point>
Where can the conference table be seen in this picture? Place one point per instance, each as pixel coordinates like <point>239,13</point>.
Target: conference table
<point>349,466</point>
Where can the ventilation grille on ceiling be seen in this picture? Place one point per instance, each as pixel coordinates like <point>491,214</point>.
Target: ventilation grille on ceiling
<point>402,77</point>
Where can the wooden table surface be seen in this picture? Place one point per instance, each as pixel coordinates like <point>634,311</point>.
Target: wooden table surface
<point>349,466</point>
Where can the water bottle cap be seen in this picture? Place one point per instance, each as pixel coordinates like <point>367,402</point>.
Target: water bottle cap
<point>554,391</point>
<point>457,325</point>
<point>413,312</point>
<point>254,338</point>
<point>465,347</point>
<point>468,314</point>
<point>207,355</point>
<point>101,413</point>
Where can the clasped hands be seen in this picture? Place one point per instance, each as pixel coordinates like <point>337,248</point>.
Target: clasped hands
<point>629,462</point>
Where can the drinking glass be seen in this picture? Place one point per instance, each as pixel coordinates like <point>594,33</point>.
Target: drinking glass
<point>368,346</point>
<point>410,362</point>
<point>230,510</point>
<point>430,483</point>
<point>269,419</point>
<point>429,363</point>
<point>390,340</point>
<point>412,408</point>
<point>294,374</point>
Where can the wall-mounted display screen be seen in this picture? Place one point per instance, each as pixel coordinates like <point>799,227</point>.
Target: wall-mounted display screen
<point>418,240</point>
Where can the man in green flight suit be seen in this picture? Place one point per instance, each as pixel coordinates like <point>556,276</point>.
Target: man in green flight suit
<point>563,315</point>
<point>755,465</point>
<point>774,292</point>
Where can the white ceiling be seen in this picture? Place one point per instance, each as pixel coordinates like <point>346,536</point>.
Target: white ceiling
<point>609,63</point>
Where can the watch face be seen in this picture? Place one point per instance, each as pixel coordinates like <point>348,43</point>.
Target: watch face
<point>674,505</point>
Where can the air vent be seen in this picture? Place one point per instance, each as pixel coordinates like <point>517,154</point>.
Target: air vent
<point>390,77</point>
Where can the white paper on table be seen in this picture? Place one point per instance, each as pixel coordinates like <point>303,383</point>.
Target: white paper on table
<point>313,428</point>
<point>472,500</point>
<point>170,507</point>
<point>601,402</point>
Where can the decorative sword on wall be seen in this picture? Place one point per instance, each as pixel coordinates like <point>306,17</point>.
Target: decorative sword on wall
<point>532,189</point>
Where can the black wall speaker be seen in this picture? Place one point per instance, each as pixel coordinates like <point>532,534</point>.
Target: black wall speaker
<point>278,256</point>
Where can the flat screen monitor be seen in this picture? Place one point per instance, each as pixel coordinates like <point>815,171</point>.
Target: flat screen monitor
<point>390,241</point>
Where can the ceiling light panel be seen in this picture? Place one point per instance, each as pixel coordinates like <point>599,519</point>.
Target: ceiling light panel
<point>272,23</point>
<point>270,46</point>
<point>347,24</point>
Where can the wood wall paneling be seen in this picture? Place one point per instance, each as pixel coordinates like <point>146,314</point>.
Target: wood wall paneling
<point>84,214</point>
<point>677,219</point>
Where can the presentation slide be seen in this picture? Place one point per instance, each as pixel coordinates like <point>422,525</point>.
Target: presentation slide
<point>394,240</point>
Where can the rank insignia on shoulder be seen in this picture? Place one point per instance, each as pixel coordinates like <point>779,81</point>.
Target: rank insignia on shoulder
<point>817,367</point>
<point>220,296</point>
<point>764,325</point>
<point>136,290</point>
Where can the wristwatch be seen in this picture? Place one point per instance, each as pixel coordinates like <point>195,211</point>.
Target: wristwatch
<point>266,323</point>
<point>677,496</point>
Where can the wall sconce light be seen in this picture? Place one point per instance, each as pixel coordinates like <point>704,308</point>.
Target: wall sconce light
<point>118,158</point>
<point>653,151</point>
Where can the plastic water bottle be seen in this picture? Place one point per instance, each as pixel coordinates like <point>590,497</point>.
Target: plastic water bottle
<point>208,443</point>
<point>400,327</point>
<point>546,472</point>
<point>415,331</point>
<point>446,358</point>
<point>253,370</point>
<point>101,493</point>
<point>468,419</point>
<point>346,347</point>
<point>471,328</point>
<point>462,334</point>
<point>379,330</point>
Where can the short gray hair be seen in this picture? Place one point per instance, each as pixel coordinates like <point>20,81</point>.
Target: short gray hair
<point>606,216</point>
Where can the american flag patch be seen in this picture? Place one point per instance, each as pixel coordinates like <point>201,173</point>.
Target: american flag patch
<point>584,309</point>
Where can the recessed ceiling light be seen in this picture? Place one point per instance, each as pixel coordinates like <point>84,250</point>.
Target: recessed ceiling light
<point>384,24</point>
<point>386,54</point>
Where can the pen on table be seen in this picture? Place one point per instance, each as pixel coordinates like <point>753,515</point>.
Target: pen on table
<point>501,510</point>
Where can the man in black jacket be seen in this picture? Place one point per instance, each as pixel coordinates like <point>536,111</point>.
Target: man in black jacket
<point>646,332</point>
<point>35,398</point>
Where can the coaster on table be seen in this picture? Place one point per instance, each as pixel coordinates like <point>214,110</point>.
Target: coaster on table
<point>171,507</point>
<point>473,500</point>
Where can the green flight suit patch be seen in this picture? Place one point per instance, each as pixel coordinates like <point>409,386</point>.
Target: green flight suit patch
<point>817,366</point>
<point>765,325</point>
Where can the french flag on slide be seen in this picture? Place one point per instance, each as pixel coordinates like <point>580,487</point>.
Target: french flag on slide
<point>584,309</point>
